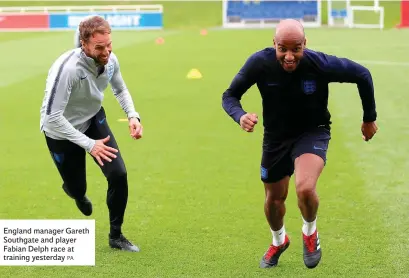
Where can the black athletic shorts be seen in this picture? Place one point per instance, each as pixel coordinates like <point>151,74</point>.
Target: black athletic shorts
<point>278,158</point>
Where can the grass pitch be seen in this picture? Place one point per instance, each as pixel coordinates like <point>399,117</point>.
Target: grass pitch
<point>195,199</point>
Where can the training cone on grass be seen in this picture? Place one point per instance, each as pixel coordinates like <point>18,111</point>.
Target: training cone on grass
<point>203,32</point>
<point>160,41</point>
<point>194,74</point>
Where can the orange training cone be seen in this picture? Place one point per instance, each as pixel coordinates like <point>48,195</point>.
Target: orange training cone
<point>160,40</point>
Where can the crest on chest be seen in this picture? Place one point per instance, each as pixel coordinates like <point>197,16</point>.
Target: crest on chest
<point>309,86</point>
<point>110,71</point>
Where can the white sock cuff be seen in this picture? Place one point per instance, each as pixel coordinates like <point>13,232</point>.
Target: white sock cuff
<point>279,231</point>
<point>308,228</point>
<point>306,222</point>
<point>278,236</point>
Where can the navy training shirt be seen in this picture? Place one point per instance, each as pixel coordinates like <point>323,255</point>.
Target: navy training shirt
<point>296,102</point>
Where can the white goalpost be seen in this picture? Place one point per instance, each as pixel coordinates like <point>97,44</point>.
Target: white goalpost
<point>344,14</point>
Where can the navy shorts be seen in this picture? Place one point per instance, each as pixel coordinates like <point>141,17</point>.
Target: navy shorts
<point>278,158</point>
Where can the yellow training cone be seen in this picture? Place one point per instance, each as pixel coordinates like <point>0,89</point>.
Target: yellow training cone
<point>194,74</point>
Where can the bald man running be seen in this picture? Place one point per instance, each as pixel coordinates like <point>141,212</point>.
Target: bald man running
<point>293,83</point>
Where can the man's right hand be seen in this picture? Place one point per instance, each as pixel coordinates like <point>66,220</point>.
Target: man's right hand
<point>102,152</point>
<point>248,121</point>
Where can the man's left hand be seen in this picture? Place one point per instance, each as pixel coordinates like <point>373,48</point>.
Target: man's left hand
<point>135,128</point>
<point>368,130</point>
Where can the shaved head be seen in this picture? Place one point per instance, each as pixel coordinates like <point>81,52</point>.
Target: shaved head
<point>290,27</point>
<point>289,42</point>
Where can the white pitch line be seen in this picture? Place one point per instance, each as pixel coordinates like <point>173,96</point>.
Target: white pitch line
<point>383,63</point>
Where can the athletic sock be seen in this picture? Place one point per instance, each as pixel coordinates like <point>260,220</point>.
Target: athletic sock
<point>308,228</point>
<point>278,236</point>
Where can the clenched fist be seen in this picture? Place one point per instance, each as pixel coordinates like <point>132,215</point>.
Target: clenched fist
<point>135,128</point>
<point>248,121</point>
<point>368,130</point>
